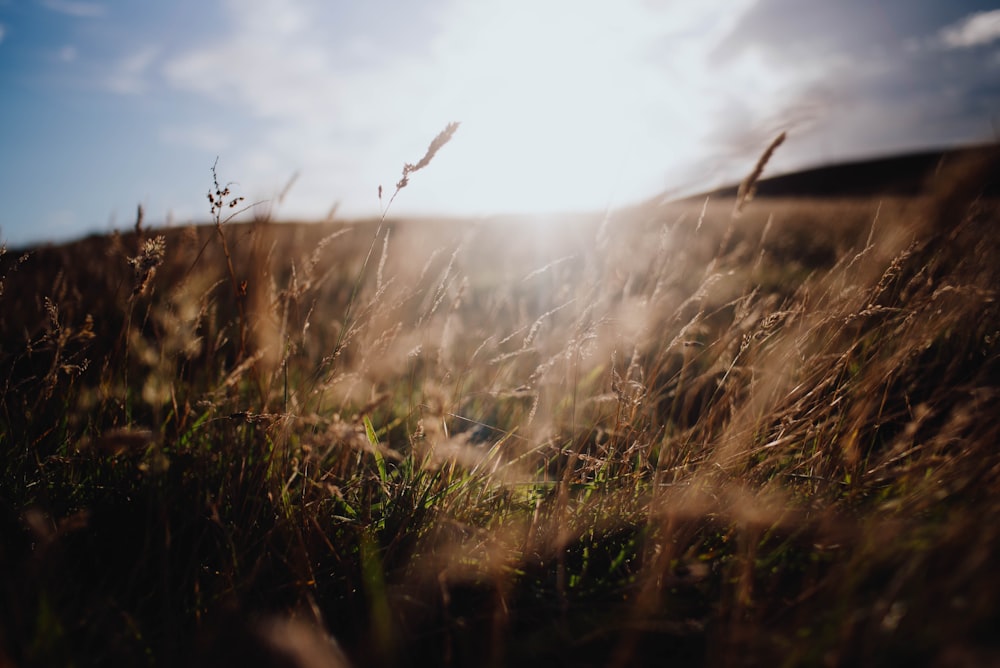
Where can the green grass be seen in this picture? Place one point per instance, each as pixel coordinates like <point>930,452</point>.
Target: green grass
<point>666,435</point>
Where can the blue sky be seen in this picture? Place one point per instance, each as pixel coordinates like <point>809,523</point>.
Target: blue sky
<point>564,104</point>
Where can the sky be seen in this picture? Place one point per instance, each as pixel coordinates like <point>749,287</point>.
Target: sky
<point>565,105</point>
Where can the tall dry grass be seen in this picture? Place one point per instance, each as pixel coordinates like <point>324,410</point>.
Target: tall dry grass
<point>665,434</point>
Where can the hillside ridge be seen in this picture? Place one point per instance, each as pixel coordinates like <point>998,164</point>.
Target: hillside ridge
<point>903,175</point>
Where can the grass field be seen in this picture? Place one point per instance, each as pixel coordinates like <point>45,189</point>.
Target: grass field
<point>673,435</point>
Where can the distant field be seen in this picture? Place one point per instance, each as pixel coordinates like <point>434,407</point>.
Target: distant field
<point>672,434</point>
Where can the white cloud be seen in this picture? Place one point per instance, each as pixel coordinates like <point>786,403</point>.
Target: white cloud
<point>276,64</point>
<point>587,103</point>
<point>129,75</point>
<point>75,8</point>
<point>974,30</point>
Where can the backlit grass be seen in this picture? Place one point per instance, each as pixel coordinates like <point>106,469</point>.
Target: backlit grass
<point>669,434</point>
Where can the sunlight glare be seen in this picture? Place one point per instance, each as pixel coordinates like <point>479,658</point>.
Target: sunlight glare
<point>562,105</point>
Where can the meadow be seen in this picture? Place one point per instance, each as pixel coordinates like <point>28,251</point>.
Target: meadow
<point>703,432</point>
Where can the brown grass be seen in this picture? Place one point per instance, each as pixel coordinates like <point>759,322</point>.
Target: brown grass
<point>660,436</point>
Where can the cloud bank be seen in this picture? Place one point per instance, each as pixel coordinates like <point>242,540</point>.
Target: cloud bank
<point>979,29</point>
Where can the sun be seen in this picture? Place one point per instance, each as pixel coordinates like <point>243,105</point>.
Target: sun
<point>562,106</point>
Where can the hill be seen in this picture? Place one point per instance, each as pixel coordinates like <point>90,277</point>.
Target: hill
<point>906,175</point>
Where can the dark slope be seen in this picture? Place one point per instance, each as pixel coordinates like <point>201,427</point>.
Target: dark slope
<point>902,175</point>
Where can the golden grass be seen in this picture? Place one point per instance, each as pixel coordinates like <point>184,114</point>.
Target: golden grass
<point>661,435</point>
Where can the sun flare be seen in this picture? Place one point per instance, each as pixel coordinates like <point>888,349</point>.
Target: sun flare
<point>563,105</point>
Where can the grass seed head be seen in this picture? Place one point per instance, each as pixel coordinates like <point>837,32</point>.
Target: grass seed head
<point>145,263</point>
<point>748,188</point>
<point>443,138</point>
